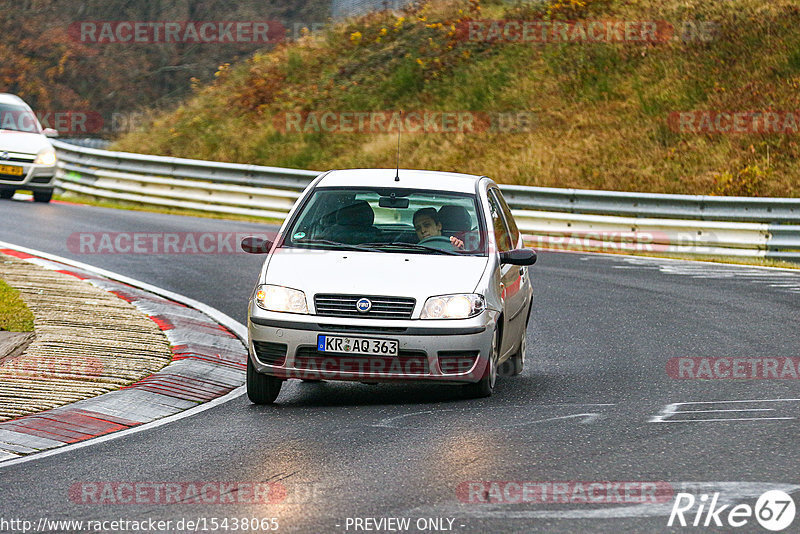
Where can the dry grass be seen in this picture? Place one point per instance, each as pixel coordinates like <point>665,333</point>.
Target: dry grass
<point>600,109</point>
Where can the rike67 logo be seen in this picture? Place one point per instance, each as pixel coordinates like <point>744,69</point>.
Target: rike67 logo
<point>774,510</point>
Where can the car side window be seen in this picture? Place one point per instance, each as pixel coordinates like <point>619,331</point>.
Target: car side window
<point>510,222</point>
<point>500,231</point>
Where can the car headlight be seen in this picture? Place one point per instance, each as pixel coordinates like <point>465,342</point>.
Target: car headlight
<point>46,156</point>
<point>460,306</point>
<point>281,299</point>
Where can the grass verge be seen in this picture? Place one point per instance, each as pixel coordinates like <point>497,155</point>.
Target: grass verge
<point>14,314</point>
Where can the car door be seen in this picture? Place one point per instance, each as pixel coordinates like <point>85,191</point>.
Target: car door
<point>511,276</point>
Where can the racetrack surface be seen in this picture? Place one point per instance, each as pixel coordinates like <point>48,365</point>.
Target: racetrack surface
<point>595,402</point>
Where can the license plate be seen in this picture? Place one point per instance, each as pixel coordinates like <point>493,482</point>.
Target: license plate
<point>13,170</point>
<point>356,345</point>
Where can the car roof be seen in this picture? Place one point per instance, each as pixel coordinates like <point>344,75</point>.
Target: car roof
<point>8,98</point>
<point>409,179</point>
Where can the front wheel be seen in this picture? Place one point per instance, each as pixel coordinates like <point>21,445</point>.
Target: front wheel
<point>261,389</point>
<point>485,386</point>
<point>518,359</point>
<point>42,196</point>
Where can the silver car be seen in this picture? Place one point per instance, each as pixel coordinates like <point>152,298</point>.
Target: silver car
<point>384,275</point>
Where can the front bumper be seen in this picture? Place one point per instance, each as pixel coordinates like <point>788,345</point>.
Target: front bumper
<point>34,177</point>
<point>285,345</point>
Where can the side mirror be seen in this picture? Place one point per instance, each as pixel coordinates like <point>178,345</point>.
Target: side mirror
<point>256,245</point>
<point>50,132</point>
<point>518,256</point>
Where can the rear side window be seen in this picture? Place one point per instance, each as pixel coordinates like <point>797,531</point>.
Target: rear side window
<point>500,231</point>
<point>512,225</point>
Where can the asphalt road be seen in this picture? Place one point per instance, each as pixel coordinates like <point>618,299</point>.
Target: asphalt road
<point>595,403</point>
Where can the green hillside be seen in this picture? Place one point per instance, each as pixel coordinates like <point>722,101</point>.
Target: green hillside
<point>577,112</point>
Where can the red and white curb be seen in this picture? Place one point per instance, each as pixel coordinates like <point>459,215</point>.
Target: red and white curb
<point>208,368</point>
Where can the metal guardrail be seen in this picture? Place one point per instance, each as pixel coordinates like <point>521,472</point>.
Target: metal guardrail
<point>653,205</point>
<point>570,219</point>
<point>88,142</point>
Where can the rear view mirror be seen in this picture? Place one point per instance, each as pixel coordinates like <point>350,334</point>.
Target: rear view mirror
<point>519,256</point>
<point>393,202</point>
<point>50,132</point>
<point>256,245</point>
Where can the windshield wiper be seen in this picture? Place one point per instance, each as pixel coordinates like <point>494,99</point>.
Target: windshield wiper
<point>413,246</point>
<point>343,246</point>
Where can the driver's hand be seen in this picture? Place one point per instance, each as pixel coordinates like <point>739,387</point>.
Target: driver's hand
<point>456,242</point>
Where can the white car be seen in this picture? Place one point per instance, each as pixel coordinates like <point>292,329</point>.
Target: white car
<point>384,275</point>
<point>27,158</point>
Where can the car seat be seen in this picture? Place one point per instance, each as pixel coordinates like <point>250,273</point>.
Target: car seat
<point>456,222</point>
<point>354,225</point>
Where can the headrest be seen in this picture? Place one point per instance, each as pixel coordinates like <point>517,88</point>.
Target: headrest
<point>455,218</point>
<point>357,214</point>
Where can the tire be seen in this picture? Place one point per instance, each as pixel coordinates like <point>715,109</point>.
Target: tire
<point>485,386</point>
<point>42,196</point>
<point>261,389</point>
<point>518,359</point>
<point>6,193</point>
<point>514,365</point>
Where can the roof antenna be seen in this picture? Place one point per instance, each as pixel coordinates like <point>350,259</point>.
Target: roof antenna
<point>397,174</point>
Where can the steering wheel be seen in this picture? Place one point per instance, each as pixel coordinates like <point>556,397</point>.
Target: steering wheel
<point>435,239</point>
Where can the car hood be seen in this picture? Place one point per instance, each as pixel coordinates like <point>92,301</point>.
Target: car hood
<point>374,273</point>
<point>22,142</point>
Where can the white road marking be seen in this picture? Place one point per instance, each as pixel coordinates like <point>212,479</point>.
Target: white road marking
<point>5,455</point>
<point>742,410</point>
<point>782,279</point>
<point>728,419</point>
<point>389,422</point>
<point>587,418</point>
<point>670,412</point>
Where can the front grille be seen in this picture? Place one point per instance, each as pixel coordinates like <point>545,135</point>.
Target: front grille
<point>21,158</point>
<point>382,307</point>
<point>270,353</point>
<point>362,329</point>
<point>406,363</point>
<point>456,361</point>
<point>11,178</point>
<point>41,180</point>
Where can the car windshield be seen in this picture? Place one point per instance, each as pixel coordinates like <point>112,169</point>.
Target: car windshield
<point>389,220</point>
<point>18,119</point>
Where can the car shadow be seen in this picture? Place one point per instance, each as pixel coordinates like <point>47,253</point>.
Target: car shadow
<point>296,394</point>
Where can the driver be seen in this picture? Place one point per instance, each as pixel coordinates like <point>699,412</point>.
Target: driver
<point>428,226</point>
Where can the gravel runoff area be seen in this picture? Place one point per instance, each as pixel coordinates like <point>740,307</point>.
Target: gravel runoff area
<point>87,342</point>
